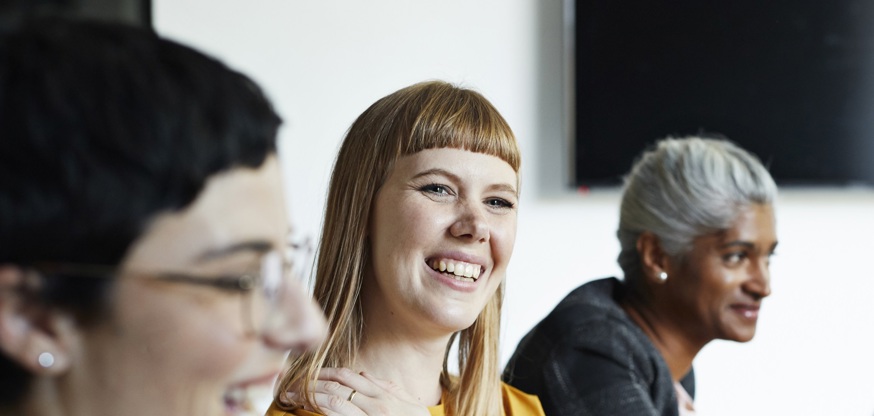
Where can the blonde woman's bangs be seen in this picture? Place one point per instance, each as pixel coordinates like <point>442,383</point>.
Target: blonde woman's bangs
<point>460,119</point>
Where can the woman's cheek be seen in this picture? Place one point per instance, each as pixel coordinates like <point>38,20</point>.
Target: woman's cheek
<point>503,239</point>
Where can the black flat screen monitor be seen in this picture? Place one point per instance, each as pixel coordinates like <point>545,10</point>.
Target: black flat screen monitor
<point>789,80</point>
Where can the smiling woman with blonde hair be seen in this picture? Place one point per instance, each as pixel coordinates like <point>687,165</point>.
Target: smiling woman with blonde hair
<point>419,228</point>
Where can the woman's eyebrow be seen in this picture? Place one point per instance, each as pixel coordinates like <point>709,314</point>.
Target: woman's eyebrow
<point>504,187</point>
<point>437,171</point>
<point>257,246</point>
<point>741,243</point>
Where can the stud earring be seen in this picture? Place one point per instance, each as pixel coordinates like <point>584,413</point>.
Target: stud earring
<point>663,276</point>
<point>46,359</point>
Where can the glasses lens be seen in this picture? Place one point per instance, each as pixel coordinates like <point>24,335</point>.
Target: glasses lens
<point>300,258</point>
<point>276,270</point>
<point>271,275</point>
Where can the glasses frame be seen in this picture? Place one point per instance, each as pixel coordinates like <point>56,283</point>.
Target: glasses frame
<point>292,264</point>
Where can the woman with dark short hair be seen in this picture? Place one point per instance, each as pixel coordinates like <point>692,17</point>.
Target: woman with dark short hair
<point>145,266</point>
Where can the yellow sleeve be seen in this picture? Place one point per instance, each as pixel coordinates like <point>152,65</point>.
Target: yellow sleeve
<point>517,403</point>
<point>437,410</point>
<point>274,410</point>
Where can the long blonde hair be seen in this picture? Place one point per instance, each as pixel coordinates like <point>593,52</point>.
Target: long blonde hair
<point>422,116</point>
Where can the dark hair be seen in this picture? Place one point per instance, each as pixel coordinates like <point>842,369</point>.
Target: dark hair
<point>102,127</point>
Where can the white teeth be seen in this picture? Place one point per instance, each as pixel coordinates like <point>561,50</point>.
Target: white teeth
<point>246,401</point>
<point>236,395</point>
<point>461,270</point>
<point>238,399</point>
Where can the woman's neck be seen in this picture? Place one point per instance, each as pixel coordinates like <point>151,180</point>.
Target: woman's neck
<point>676,346</point>
<point>413,361</point>
<point>46,398</point>
<point>413,364</point>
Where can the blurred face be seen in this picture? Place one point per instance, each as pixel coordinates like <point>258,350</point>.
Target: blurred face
<point>187,349</point>
<point>442,230</point>
<point>719,287</point>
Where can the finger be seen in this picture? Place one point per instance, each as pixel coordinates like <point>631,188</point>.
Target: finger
<point>365,400</point>
<point>351,380</point>
<point>332,405</point>
<point>324,389</point>
<point>386,401</point>
<point>387,405</point>
<point>334,388</point>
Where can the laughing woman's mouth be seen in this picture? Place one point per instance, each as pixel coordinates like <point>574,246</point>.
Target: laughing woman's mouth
<point>237,402</point>
<point>246,400</point>
<point>466,272</point>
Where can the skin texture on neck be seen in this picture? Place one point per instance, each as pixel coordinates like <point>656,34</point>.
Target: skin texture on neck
<point>398,349</point>
<point>43,400</point>
<point>677,348</point>
<point>412,361</point>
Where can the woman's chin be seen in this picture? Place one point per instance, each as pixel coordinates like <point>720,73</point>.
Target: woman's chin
<point>454,322</point>
<point>740,334</point>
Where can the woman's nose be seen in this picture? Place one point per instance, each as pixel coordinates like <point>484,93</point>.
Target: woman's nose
<point>759,284</point>
<point>298,323</point>
<point>471,223</point>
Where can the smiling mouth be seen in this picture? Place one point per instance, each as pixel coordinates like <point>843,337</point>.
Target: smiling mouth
<point>458,270</point>
<point>747,311</point>
<point>241,399</point>
<point>237,401</point>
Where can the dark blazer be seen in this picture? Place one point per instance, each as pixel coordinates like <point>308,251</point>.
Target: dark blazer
<point>587,357</point>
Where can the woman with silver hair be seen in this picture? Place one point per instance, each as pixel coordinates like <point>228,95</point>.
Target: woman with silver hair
<point>697,230</point>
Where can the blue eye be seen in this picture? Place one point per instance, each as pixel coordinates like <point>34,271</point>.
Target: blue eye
<point>436,189</point>
<point>499,203</point>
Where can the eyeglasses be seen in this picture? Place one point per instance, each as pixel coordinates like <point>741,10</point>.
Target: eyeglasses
<point>275,270</point>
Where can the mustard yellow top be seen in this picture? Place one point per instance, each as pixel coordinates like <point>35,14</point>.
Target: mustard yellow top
<point>516,403</point>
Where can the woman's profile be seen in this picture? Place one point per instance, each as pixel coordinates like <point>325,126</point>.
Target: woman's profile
<point>145,266</point>
<point>697,231</point>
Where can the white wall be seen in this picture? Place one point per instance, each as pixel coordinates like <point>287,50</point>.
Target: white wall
<point>324,62</point>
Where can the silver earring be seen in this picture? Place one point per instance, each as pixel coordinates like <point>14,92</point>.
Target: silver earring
<point>663,276</point>
<point>46,359</point>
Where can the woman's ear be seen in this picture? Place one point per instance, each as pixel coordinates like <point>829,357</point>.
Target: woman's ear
<point>654,261</point>
<point>37,337</point>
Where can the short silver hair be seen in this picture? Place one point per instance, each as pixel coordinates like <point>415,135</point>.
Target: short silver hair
<point>685,188</point>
